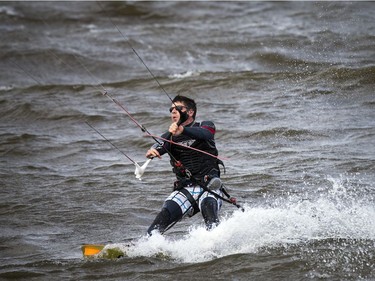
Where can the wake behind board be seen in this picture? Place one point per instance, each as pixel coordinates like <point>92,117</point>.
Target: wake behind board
<point>102,251</point>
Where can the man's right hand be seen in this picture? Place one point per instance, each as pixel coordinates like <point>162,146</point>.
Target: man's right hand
<point>152,153</point>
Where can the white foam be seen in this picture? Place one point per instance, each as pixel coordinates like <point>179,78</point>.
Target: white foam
<point>9,11</point>
<point>184,75</point>
<point>6,88</point>
<point>294,221</point>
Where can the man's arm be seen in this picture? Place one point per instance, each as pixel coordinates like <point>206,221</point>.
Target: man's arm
<point>158,149</point>
<point>206,131</point>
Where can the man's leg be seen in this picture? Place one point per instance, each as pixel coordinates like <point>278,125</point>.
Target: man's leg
<point>209,209</point>
<point>170,213</point>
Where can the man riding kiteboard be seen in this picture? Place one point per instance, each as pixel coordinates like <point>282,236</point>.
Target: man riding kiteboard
<point>198,174</point>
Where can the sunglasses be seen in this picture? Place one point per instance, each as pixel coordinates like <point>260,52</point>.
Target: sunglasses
<point>178,108</point>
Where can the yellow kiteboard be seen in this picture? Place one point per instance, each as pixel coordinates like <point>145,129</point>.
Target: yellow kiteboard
<point>101,251</point>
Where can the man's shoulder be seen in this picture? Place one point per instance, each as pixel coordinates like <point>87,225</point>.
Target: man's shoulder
<point>207,124</point>
<point>204,123</point>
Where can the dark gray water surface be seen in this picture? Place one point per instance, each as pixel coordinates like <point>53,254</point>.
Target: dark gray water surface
<point>290,87</point>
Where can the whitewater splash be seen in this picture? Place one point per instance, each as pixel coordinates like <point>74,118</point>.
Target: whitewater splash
<point>186,74</point>
<point>334,214</point>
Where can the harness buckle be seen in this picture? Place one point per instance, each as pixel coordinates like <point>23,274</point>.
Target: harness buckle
<point>181,183</point>
<point>181,170</point>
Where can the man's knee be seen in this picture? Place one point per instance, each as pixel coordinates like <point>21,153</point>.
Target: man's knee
<point>170,213</point>
<point>174,210</point>
<point>209,209</point>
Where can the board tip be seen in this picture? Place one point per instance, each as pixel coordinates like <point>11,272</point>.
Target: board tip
<point>91,249</point>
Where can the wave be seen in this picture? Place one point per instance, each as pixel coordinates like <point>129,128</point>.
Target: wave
<point>137,11</point>
<point>315,70</point>
<point>363,76</point>
<point>8,11</point>
<point>25,110</point>
<point>187,74</point>
<point>48,66</point>
<point>281,132</point>
<point>280,61</point>
<point>332,219</point>
<point>33,113</point>
<point>370,104</point>
<point>12,138</point>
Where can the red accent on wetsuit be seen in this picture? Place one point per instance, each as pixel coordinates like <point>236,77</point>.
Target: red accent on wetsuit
<point>212,130</point>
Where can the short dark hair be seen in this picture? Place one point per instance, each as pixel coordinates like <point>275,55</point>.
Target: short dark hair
<point>188,102</point>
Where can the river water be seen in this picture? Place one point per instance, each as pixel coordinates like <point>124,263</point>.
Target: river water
<point>290,87</point>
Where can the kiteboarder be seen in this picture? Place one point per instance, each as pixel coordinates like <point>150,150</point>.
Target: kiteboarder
<point>198,174</point>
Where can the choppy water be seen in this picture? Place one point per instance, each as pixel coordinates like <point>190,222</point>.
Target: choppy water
<point>290,87</point>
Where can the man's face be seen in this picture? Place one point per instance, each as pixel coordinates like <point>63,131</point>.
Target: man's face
<point>175,115</point>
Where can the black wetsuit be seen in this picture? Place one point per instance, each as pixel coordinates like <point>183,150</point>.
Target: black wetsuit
<point>195,166</point>
<point>199,136</point>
